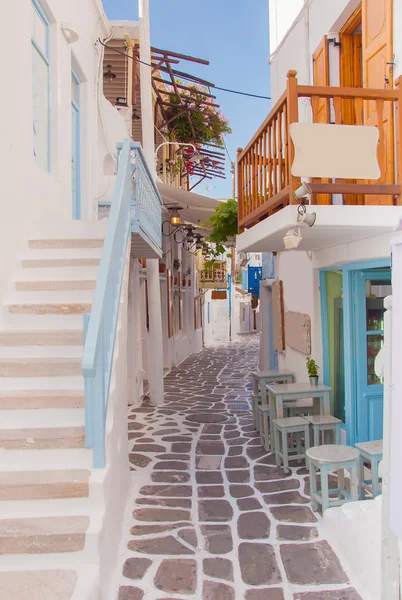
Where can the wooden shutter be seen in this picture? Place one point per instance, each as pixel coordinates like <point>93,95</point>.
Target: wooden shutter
<point>320,109</point>
<point>377,52</point>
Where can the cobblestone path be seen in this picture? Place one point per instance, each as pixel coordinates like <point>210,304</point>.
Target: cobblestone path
<point>212,517</point>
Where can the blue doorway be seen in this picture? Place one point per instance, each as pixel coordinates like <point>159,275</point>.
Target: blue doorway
<point>75,146</point>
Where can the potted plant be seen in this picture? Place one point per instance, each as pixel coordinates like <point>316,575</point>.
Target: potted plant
<point>312,370</point>
<point>176,264</point>
<point>162,267</point>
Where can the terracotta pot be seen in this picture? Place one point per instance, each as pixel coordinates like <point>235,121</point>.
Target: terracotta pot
<point>162,267</point>
<point>175,281</point>
<point>183,282</point>
<point>189,283</point>
<point>143,262</point>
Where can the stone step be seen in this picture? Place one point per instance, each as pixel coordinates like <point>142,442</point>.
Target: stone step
<point>55,285</point>
<point>40,367</point>
<point>47,262</point>
<point>42,438</point>
<point>44,485</point>
<point>41,585</point>
<point>41,302</point>
<point>33,399</point>
<point>43,535</point>
<point>20,337</point>
<point>40,244</point>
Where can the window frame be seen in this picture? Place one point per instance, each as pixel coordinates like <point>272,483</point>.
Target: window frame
<point>45,56</point>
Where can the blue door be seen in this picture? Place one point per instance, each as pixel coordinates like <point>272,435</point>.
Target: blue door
<point>369,289</point>
<point>75,146</point>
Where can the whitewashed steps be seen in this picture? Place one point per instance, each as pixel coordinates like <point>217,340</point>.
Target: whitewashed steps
<point>43,535</point>
<point>42,438</point>
<point>54,285</point>
<point>61,257</point>
<point>38,244</point>
<point>44,485</point>
<point>50,302</point>
<point>40,367</point>
<point>21,337</point>
<point>44,399</point>
<point>38,585</point>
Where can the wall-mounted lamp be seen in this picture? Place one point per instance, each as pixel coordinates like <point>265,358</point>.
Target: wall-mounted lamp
<point>109,76</point>
<point>196,157</point>
<point>304,217</point>
<point>70,32</point>
<point>292,238</point>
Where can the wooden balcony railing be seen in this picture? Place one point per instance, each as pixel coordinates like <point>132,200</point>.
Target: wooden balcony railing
<point>265,182</point>
<point>213,277</point>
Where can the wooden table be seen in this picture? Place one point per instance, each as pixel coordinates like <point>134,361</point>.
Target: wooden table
<point>262,378</point>
<point>282,392</point>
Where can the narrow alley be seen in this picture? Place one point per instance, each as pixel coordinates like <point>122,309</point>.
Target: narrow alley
<point>211,517</point>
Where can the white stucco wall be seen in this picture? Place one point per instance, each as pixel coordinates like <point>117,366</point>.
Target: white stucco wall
<point>281,16</point>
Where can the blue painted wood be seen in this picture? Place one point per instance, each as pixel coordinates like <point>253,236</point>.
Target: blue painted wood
<point>254,276</point>
<point>369,397</point>
<point>244,279</point>
<point>349,356</point>
<point>76,149</point>
<point>324,327</point>
<point>273,355</point>
<point>101,329</point>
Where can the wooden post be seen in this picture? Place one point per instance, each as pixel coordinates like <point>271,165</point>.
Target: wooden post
<point>240,190</point>
<point>292,100</point>
<point>398,135</point>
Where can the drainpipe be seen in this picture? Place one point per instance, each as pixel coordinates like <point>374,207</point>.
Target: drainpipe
<point>155,345</point>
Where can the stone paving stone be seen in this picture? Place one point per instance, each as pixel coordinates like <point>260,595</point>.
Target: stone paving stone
<point>241,491</point>
<point>265,594</point>
<point>248,504</point>
<point>212,429</point>
<point>346,594</point>
<point>236,462</point>
<point>220,568</point>
<point>160,545</point>
<point>148,448</point>
<point>128,592</point>
<point>177,576</point>
<point>235,450</point>
<point>139,460</point>
<point>253,526</point>
<point>315,563</point>
<point>165,502</point>
<point>171,465</point>
<point>212,590</point>
<point>214,510</point>
<point>181,448</point>
<point>294,533</point>
<point>238,476</point>
<point>269,487</point>
<point>152,529</point>
<point>286,498</point>
<point>256,452</point>
<point>258,564</point>
<point>167,490</point>
<point>160,515</point>
<point>209,477</point>
<point>218,538</point>
<point>134,426</point>
<point>135,568</point>
<point>210,448</point>
<point>293,514</point>
<point>208,463</point>
<point>211,491</point>
<point>189,536</point>
<point>264,473</point>
<point>177,438</point>
<point>163,477</point>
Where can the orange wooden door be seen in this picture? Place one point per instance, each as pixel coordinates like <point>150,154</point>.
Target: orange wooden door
<point>320,107</point>
<point>377,73</point>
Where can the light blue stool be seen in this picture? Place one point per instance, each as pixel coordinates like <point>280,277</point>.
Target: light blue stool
<point>329,458</point>
<point>371,451</point>
<point>264,425</point>
<point>255,403</point>
<point>281,429</point>
<point>322,423</point>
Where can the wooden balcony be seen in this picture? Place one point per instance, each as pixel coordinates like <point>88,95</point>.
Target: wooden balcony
<point>265,181</point>
<point>213,277</point>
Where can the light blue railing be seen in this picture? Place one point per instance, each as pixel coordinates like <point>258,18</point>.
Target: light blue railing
<point>131,194</point>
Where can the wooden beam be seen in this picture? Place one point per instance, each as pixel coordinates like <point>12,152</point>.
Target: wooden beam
<point>266,208</point>
<point>381,189</point>
<point>201,61</point>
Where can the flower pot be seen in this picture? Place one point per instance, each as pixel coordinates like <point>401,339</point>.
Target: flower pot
<point>314,380</point>
<point>162,267</point>
<point>143,262</point>
<point>183,282</point>
<point>189,283</point>
<point>175,281</point>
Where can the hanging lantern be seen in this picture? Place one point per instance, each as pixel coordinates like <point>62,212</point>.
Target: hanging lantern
<point>109,76</point>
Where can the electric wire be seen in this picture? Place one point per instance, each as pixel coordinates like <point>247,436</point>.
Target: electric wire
<point>215,87</point>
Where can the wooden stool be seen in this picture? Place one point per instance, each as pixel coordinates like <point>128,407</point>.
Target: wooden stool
<point>281,429</point>
<point>298,408</point>
<point>371,451</point>
<point>322,423</point>
<point>264,425</point>
<point>332,458</point>
<point>255,402</point>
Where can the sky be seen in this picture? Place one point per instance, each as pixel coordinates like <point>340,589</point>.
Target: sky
<point>234,36</point>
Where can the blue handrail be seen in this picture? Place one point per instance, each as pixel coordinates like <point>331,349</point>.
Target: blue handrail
<point>101,325</point>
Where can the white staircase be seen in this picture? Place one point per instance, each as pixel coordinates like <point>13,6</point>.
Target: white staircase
<point>49,517</point>
<point>354,530</point>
